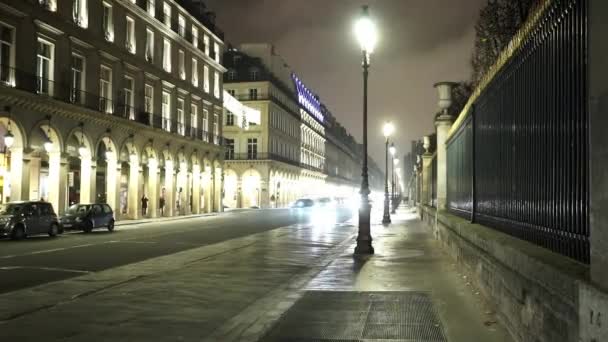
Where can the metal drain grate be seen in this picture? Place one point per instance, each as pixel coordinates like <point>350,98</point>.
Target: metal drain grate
<point>345,316</point>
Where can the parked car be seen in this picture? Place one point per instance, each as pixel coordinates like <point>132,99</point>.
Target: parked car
<point>87,217</point>
<point>21,219</point>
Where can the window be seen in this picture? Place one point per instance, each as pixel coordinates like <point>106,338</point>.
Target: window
<point>167,14</point>
<point>229,149</point>
<point>205,124</point>
<point>206,78</point>
<point>181,60</point>
<point>216,51</point>
<point>107,22</point>
<point>195,72</point>
<point>216,128</point>
<point>194,36</point>
<point>77,86</point>
<point>149,99</point>
<point>130,38</point>
<point>151,7</point>
<point>181,126</point>
<point>252,148</point>
<point>45,66</point>
<point>149,45</point>
<point>167,55</point>
<point>166,112</point>
<point>105,89</point>
<point>206,43</point>
<point>254,73</point>
<point>129,87</point>
<point>7,41</point>
<point>181,25</point>
<point>229,119</point>
<point>232,92</point>
<point>216,84</point>
<point>253,94</point>
<point>80,13</point>
<point>193,120</point>
<point>231,75</point>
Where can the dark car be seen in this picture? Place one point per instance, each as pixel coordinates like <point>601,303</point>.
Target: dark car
<point>87,217</point>
<point>21,219</point>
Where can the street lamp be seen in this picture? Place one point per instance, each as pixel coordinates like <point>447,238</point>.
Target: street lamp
<point>365,31</point>
<point>388,130</point>
<point>9,138</point>
<point>48,144</point>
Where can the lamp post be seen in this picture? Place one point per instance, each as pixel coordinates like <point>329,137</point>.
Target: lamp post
<point>388,130</point>
<point>366,35</point>
<point>395,162</point>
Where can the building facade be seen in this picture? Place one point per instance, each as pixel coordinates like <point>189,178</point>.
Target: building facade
<point>295,149</point>
<point>116,101</point>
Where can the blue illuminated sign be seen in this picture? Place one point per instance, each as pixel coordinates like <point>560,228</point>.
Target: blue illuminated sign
<point>307,99</point>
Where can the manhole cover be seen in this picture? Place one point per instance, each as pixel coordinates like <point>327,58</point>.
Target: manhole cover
<point>346,316</point>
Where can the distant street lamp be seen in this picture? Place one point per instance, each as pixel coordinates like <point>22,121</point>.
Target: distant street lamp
<point>394,198</point>
<point>365,31</point>
<point>388,130</point>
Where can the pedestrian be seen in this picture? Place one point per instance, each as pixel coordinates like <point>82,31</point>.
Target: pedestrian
<point>161,205</point>
<point>144,205</point>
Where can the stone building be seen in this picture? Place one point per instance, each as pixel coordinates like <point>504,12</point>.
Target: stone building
<point>294,148</point>
<point>111,101</point>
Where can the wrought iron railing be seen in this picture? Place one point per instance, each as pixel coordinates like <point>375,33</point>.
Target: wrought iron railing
<point>520,163</point>
<point>66,93</point>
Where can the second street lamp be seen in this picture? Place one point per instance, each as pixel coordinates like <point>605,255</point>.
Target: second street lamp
<point>366,34</point>
<point>388,130</point>
<point>394,198</point>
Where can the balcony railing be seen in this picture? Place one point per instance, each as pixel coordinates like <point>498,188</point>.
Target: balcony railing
<point>272,156</point>
<point>18,79</point>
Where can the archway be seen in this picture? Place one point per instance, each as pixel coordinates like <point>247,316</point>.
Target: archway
<point>251,188</point>
<point>107,175</point>
<point>231,189</point>
<point>80,168</point>
<point>48,172</point>
<point>12,142</point>
<point>151,180</point>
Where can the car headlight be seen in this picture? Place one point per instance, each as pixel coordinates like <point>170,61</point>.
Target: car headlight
<point>78,219</point>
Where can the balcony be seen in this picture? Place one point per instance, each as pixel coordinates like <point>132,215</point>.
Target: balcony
<point>18,79</point>
<point>271,156</point>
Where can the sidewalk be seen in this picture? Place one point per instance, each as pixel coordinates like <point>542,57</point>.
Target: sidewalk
<point>408,291</point>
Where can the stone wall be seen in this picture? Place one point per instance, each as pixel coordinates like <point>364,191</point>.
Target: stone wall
<point>536,292</point>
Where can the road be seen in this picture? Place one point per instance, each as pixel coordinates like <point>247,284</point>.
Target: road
<point>39,260</point>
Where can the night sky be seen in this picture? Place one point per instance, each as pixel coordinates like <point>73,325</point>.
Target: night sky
<point>420,42</point>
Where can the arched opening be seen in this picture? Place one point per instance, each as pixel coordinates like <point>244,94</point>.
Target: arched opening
<point>230,189</point>
<point>80,176</point>
<point>251,189</point>
<point>48,177</point>
<point>150,186</point>
<point>106,175</point>
<point>12,142</point>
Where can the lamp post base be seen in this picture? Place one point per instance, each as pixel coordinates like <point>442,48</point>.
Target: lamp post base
<point>364,239</point>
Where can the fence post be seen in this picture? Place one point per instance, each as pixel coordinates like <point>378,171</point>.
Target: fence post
<point>427,159</point>
<point>443,123</point>
<point>598,139</point>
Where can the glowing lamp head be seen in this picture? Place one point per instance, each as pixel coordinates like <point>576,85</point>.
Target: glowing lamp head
<point>396,161</point>
<point>388,129</point>
<point>9,139</point>
<point>109,153</point>
<point>365,30</point>
<point>392,149</point>
<point>48,144</point>
<point>82,150</point>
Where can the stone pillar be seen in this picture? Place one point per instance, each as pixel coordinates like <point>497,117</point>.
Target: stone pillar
<point>217,190</point>
<point>598,140</point>
<point>86,179</point>
<point>443,123</point>
<point>112,183</point>
<point>18,183</point>
<point>133,197</point>
<point>196,189</point>
<point>32,179</point>
<point>54,184</point>
<point>63,186</point>
<point>152,187</point>
<point>169,185</point>
<point>425,193</point>
<point>264,194</point>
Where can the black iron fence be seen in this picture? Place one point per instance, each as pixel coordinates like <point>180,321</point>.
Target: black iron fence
<point>519,164</point>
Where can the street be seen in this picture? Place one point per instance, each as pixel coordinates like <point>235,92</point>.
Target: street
<point>41,259</point>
